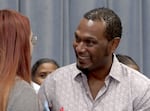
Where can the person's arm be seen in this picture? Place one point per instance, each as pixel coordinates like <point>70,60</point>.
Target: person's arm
<point>144,102</point>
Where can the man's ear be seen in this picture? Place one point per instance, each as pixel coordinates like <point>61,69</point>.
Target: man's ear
<point>115,43</point>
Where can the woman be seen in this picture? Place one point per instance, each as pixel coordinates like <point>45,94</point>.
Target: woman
<point>16,93</point>
<point>42,68</point>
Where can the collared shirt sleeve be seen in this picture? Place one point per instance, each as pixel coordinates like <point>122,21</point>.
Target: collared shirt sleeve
<point>144,101</point>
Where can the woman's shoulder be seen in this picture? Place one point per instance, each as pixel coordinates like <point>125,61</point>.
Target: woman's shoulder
<point>22,97</point>
<point>21,86</point>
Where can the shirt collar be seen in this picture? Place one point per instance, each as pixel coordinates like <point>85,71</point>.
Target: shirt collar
<point>76,71</point>
<point>115,72</point>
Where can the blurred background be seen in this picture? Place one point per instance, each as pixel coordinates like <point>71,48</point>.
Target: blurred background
<point>54,23</point>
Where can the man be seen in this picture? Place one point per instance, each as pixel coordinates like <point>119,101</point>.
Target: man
<point>97,81</point>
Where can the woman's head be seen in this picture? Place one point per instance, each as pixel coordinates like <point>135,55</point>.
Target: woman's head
<point>42,68</point>
<point>14,42</point>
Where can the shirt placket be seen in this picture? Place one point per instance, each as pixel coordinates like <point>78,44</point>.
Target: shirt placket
<point>91,104</point>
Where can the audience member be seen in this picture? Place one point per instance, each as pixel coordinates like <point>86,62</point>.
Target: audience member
<point>41,69</point>
<point>128,61</point>
<point>97,81</point>
<point>16,93</point>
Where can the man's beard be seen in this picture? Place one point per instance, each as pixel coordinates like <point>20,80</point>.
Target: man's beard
<point>84,70</point>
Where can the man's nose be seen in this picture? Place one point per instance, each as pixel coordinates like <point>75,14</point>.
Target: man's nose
<point>81,47</point>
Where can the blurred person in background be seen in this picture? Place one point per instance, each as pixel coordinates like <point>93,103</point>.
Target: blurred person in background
<point>41,69</point>
<point>128,61</point>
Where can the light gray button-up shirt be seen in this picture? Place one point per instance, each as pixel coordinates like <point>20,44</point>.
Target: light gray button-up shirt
<point>67,89</point>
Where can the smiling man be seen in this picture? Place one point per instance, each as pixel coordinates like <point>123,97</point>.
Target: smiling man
<point>97,81</point>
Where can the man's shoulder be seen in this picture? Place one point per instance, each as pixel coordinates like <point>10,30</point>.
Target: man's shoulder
<point>71,68</point>
<point>61,76</point>
<point>137,80</point>
<point>68,70</point>
<point>133,74</point>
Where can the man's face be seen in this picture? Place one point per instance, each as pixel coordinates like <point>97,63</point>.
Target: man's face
<point>91,46</point>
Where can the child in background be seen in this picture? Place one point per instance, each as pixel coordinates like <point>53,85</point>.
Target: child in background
<point>41,69</point>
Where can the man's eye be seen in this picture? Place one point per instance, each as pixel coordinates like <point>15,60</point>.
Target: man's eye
<point>90,42</point>
<point>77,39</point>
